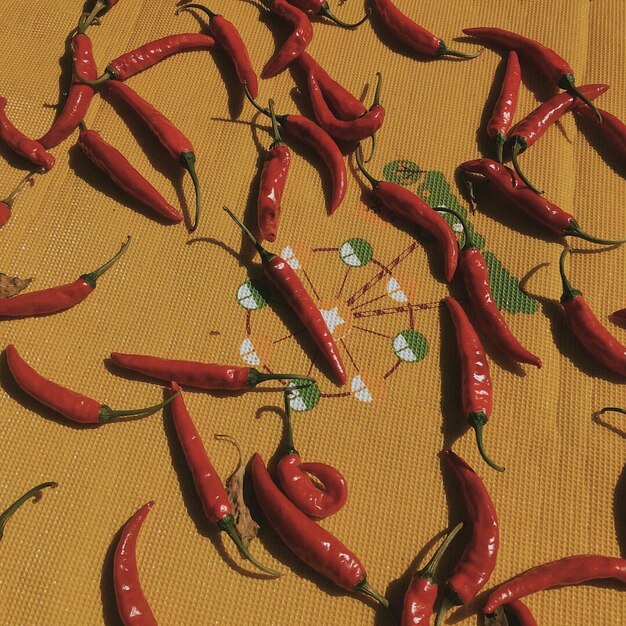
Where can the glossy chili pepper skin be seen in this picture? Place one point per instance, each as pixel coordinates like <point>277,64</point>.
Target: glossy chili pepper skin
<point>5,213</point>
<point>271,189</point>
<point>132,605</point>
<point>521,612</point>
<point>612,129</point>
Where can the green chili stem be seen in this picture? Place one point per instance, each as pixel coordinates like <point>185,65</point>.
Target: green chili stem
<point>379,84</point>
<point>35,492</point>
<point>107,413</point>
<point>517,148</point>
<point>25,180</point>
<point>569,293</point>
<point>92,277</point>
<point>478,421</point>
<point>364,587</point>
<point>428,571</point>
<point>468,242</point>
<point>188,160</point>
<point>359,161</point>
<point>253,102</point>
<point>612,409</point>
<point>275,130</point>
<point>265,255</point>
<point>107,75</point>
<point>445,51</point>
<point>91,17</point>
<point>446,605</point>
<point>575,231</point>
<point>326,12</point>
<point>200,7</point>
<point>289,445</point>
<point>500,140</point>
<point>255,377</point>
<point>567,83</point>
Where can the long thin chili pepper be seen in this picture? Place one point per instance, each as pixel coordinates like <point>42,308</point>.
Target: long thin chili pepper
<point>132,605</point>
<point>34,493</point>
<point>310,542</point>
<point>537,207</point>
<point>612,129</point>
<point>545,60</point>
<point>59,298</point>
<point>6,205</point>
<point>504,109</point>
<point>286,281</point>
<point>403,202</point>
<point>211,491</point>
<point>293,476</point>
<point>99,7</point>
<point>198,375</point>
<point>113,163</point>
<point>321,9</point>
<point>172,139</point>
<point>146,56</point>
<point>412,35</point>
<point>272,183</point>
<point>421,595</point>
<point>478,560</point>
<point>476,277</point>
<point>229,39</point>
<point>71,405</point>
<point>588,329</point>
<point>296,43</point>
<point>303,129</point>
<point>571,570</point>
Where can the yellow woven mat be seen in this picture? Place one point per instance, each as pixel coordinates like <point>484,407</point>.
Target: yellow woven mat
<point>171,297</point>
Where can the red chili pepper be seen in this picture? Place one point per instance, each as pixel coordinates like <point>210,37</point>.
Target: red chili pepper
<point>197,374</point>
<point>6,205</point>
<point>59,298</point>
<point>171,138</point>
<point>286,281</point>
<point>295,44</point>
<point>504,110</point>
<point>540,209</point>
<point>400,201</point>
<point>412,35</point>
<point>71,405</point>
<point>307,539</point>
<point>321,8</point>
<point>596,339</point>
<point>612,129</point>
<point>421,595</point>
<point>293,476</point>
<point>272,184</point>
<point>571,570</point>
<point>215,502</point>
<point>34,493</point>
<point>545,60</point>
<point>132,605</point>
<point>123,174</point>
<point>478,560</point>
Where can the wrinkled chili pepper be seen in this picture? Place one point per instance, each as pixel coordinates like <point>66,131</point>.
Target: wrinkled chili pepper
<point>280,274</point>
<point>6,205</point>
<point>421,595</point>
<point>146,56</point>
<point>612,129</point>
<point>211,491</point>
<point>545,60</point>
<point>587,328</point>
<point>59,298</point>
<point>504,109</point>
<point>198,375</point>
<point>321,8</point>
<point>171,138</point>
<point>132,605</point>
<point>303,129</point>
<point>412,35</point>
<point>34,493</point>
<point>307,539</point>
<point>539,208</point>
<point>476,388</point>
<point>71,405</point>
<point>409,206</point>
<point>99,7</point>
<point>478,560</point>
<point>113,163</point>
<point>476,278</point>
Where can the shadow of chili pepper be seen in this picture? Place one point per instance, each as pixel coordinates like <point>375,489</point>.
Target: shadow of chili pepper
<point>594,135</point>
<point>619,511</point>
<point>598,419</point>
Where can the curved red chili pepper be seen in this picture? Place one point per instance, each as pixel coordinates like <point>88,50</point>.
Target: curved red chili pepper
<point>308,540</point>
<point>409,206</point>
<point>197,374</point>
<point>59,298</point>
<point>478,560</point>
<point>539,208</point>
<point>34,493</point>
<point>286,281</point>
<point>545,60</point>
<point>612,129</point>
<point>132,605</point>
<point>113,163</point>
<point>596,339</point>
<point>71,405</point>
<point>412,35</point>
<point>215,502</point>
<point>295,44</point>
<point>504,109</point>
<point>6,205</point>
<point>321,8</point>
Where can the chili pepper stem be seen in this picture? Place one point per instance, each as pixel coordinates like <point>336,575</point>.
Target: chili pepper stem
<point>359,161</point>
<point>569,293</point>
<point>28,179</point>
<point>255,377</point>
<point>92,277</point>
<point>106,413</point>
<point>200,7</point>
<point>326,12</point>
<point>567,83</point>
<point>468,242</point>
<point>253,102</point>
<point>275,130</point>
<point>446,605</point>
<point>289,445</point>
<point>443,50</point>
<point>428,571</point>
<point>35,492</point>
<point>517,148</point>
<point>188,160</point>
<point>90,17</point>
<point>612,409</point>
<point>575,231</point>
<point>265,255</point>
<point>364,587</point>
<point>500,140</point>
<point>477,422</point>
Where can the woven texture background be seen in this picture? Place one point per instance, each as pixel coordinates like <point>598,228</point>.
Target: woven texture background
<point>564,488</point>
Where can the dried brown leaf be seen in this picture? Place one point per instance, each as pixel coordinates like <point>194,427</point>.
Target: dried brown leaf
<point>10,286</point>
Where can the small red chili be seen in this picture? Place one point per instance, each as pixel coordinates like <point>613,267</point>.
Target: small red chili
<point>132,605</point>
<point>71,405</point>
<point>612,129</point>
<point>59,298</point>
<point>321,8</point>
<point>6,205</point>
<point>34,493</point>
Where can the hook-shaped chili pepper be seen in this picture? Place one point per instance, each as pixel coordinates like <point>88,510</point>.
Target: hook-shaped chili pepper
<point>421,595</point>
<point>409,206</point>
<point>588,329</point>
<point>99,7</point>
<point>59,298</point>
<point>293,476</point>
<point>70,404</point>
<point>34,493</point>
<point>6,205</point>
<point>612,129</point>
<point>321,8</point>
<point>516,609</point>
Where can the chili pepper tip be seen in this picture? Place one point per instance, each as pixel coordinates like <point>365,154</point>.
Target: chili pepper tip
<point>478,421</point>
<point>35,493</point>
<point>106,413</point>
<point>567,83</point>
